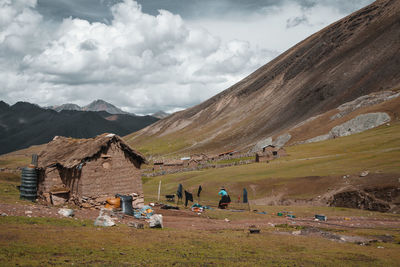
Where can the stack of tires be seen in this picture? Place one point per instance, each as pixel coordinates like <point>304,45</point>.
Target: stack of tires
<point>28,188</point>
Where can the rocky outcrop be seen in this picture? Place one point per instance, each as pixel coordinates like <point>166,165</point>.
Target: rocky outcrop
<point>263,143</point>
<point>359,124</point>
<point>281,140</point>
<point>358,199</point>
<point>364,101</point>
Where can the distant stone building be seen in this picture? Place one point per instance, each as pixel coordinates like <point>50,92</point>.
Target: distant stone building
<point>88,170</point>
<point>269,153</point>
<point>173,165</point>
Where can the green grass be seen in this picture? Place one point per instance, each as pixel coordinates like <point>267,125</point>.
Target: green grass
<point>8,187</point>
<point>65,222</point>
<point>376,150</point>
<point>48,244</point>
<point>12,162</point>
<point>159,146</point>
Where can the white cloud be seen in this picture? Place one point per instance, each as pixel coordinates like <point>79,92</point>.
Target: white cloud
<point>140,61</point>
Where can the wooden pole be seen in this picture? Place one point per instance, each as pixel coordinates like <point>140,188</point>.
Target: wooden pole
<point>159,189</point>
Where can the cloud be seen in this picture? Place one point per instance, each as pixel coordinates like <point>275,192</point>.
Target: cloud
<point>140,61</point>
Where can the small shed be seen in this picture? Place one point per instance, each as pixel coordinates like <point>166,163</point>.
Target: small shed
<point>88,170</point>
<point>269,153</point>
<point>173,165</point>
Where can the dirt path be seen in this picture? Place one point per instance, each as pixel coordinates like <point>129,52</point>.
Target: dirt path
<point>186,219</point>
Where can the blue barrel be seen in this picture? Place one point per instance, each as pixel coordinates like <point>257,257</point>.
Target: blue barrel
<point>28,188</point>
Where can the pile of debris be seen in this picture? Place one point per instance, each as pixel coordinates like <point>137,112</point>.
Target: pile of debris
<point>99,202</point>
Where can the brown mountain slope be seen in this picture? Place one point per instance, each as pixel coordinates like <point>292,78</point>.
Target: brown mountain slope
<point>355,56</point>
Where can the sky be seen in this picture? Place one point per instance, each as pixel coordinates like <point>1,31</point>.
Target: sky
<point>147,55</point>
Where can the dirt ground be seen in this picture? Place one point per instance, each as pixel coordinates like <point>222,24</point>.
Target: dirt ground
<point>186,219</point>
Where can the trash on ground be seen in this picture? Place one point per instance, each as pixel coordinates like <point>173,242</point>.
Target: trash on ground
<point>291,216</point>
<point>198,208</point>
<point>113,203</point>
<point>169,207</point>
<point>66,212</point>
<point>152,204</point>
<point>254,230</point>
<point>170,198</point>
<point>227,220</point>
<point>364,173</point>
<point>261,212</point>
<point>126,204</point>
<point>144,213</point>
<point>104,220</point>
<point>136,225</point>
<point>156,221</point>
<point>320,217</point>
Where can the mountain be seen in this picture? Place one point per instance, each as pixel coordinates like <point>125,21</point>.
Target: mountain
<point>350,58</point>
<point>160,114</point>
<point>24,124</point>
<point>68,106</point>
<point>101,105</point>
<point>97,105</point>
<point>3,106</point>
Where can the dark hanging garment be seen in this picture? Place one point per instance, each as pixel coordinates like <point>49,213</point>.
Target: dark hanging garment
<point>245,195</point>
<point>188,197</point>
<point>179,191</point>
<point>199,191</point>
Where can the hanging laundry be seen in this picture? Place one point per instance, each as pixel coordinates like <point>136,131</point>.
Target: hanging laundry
<point>179,191</point>
<point>188,197</point>
<point>245,200</point>
<point>199,191</point>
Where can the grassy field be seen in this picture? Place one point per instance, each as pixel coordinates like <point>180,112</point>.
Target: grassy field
<point>377,151</point>
<point>37,242</point>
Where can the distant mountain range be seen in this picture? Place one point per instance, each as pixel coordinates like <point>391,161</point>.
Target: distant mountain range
<point>101,105</point>
<point>97,105</point>
<point>24,124</point>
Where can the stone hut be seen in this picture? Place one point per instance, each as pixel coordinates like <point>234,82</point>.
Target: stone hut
<point>88,171</point>
<point>173,165</point>
<point>269,153</point>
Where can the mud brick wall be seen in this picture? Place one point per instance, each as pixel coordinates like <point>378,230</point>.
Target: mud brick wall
<point>109,174</point>
<point>47,179</point>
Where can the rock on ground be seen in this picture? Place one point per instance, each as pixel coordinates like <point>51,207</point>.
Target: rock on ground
<point>359,124</point>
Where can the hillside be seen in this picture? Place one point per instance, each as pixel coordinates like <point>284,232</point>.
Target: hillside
<point>25,124</point>
<point>308,176</point>
<point>353,57</point>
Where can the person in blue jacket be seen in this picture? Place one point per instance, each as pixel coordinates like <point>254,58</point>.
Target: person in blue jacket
<point>225,199</point>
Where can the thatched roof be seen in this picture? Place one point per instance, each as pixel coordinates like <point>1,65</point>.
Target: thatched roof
<point>70,152</point>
